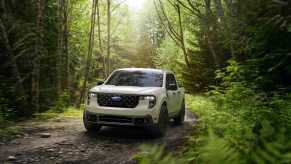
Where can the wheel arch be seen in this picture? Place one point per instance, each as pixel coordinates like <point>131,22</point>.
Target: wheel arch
<point>162,103</point>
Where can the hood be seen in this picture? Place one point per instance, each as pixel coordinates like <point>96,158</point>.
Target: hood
<point>125,89</point>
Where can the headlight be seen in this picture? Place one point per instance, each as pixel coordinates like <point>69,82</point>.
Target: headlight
<point>91,94</point>
<point>151,99</point>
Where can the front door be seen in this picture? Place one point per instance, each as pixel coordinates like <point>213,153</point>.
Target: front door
<point>172,93</point>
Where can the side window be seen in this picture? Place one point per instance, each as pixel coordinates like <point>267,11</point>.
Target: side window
<point>171,82</point>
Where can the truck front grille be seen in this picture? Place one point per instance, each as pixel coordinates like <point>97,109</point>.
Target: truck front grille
<point>116,100</point>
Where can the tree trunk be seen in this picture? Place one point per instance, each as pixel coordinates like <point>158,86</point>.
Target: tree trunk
<point>212,51</point>
<point>209,32</point>
<point>3,5</point>
<point>59,61</point>
<point>89,55</point>
<point>108,37</point>
<point>100,40</point>
<point>19,88</point>
<point>66,44</point>
<point>38,53</point>
<point>176,36</point>
<point>229,6</point>
<point>183,46</point>
<point>219,9</point>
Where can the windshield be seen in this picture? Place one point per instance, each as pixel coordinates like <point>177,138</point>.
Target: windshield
<point>136,78</point>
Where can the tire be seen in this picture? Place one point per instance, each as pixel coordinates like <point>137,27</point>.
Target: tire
<point>179,119</point>
<point>92,128</point>
<point>160,128</point>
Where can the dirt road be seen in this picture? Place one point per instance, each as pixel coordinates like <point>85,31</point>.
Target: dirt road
<point>66,141</point>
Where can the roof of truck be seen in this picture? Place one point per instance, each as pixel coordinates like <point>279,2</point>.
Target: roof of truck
<point>145,69</point>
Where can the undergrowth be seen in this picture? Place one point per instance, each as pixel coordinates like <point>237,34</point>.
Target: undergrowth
<point>69,112</point>
<point>236,125</point>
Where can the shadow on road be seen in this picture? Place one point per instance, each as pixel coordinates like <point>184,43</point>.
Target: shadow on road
<point>134,134</point>
<point>122,133</point>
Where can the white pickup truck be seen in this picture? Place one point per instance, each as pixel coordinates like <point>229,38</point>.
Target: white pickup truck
<point>135,97</point>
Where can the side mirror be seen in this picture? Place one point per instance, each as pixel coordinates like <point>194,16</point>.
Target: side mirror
<point>100,82</point>
<point>172,86</point>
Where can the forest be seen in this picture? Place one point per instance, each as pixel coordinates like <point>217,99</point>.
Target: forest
<point>232,56</point>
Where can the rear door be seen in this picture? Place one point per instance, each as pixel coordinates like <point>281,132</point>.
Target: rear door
<point>172,93</point>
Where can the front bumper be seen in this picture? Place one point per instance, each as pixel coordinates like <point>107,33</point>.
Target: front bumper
<point>141,111</point>
<point>115,120</point>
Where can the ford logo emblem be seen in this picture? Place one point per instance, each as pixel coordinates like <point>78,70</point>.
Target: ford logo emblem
<point>116,98</point>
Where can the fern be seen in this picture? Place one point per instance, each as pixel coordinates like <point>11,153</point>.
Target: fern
<point>156,155</point>
<point>219,150</point>
<point>266,148</point>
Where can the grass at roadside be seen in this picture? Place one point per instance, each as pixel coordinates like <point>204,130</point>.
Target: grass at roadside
<point>208,117</point>
<point>200,106</point>
<point>69,112</point>
<point>8,133</point>
<point>234,127</point>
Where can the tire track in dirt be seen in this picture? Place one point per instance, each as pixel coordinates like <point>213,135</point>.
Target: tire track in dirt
<point>69,143</point>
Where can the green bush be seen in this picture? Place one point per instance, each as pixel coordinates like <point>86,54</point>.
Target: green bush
<point>238,124</point>
<point>62,102</point>
<point>156,155</point>
<point>233,128</point>
<point>5,111</point>
<point>68,112</point>
<point>240,129</point>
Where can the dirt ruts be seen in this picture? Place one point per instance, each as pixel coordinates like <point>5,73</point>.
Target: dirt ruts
<point>67,141</point>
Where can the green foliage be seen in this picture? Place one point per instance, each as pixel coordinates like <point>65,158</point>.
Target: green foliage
<point>62,102</point>
<point>156,155</point>
<point>269,147</point>
<point>4,109</point>
<point>237,124</point>
<point>68,112</point>
<point>169,57</point>
<point>234,129</point>
<point>240,125</point>
<point>8,133</point>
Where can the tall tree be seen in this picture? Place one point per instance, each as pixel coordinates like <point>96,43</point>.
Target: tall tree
<point>209,32</point>
<point>101,52</point>
<point>38,52</point>
<point>176,34</point>
<point>66,44</point>
<point>63,62</point>
<point>89,54</point>
<point>18,86</point>
<point>108,36</point>
<point>59,61</point>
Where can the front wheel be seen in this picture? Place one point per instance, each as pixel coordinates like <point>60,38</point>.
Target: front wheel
<point>90,127</point>
<point>161,127</point>
<point>179,119</point>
